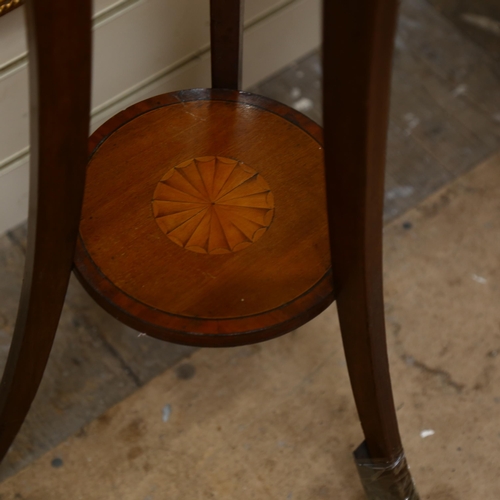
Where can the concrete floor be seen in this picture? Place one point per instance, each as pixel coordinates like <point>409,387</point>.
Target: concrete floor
<point>445,119</point>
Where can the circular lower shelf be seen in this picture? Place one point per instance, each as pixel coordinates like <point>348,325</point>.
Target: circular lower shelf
<point>204,218</point>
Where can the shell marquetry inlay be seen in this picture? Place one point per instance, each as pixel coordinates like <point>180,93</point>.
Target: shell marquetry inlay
<point>213,205</point>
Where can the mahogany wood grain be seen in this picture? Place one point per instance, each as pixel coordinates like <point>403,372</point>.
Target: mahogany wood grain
<point>213,205</point>
<point>358,44</point>
<point>60,52</point>
<point>226,40</point>
<point>150,253</point>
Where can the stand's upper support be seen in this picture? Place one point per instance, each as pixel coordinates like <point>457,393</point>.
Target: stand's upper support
<point>226,38</point>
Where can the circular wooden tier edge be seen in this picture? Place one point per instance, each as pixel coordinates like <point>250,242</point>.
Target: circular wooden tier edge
<point>197,331</point>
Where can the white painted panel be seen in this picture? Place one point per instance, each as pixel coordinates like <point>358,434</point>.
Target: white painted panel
<point>13,29</point>
<point>151,36</point>
<point>254,9</point>
<point>13,113</point>
<point>100,6</point>
<point>13,196</point>
<point>12,36</point>
<point>194,74</point>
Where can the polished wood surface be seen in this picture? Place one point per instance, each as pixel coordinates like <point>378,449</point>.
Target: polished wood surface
<point>356,88</point>
<point>226,43</point>
<point>151,253</point>
<point>213,205</point>
<point>60,107</point>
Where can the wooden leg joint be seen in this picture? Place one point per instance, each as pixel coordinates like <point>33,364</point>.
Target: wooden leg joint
<point>383,479</point>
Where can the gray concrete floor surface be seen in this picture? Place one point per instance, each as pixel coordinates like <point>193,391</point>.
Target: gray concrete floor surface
<point>445,119</point>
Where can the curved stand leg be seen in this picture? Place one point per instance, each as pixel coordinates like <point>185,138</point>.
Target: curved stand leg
<point>60,47</point>
<point>357,51</point>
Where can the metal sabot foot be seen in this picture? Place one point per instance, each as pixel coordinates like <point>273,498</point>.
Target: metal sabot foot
<point>384,480</point>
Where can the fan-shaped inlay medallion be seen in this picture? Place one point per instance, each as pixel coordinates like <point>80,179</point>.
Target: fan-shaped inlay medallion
<point>213,205</point>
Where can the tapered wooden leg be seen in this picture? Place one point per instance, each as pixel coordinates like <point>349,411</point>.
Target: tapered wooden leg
<point>226,42</point>
<point>60,47</point>
<point>357,51</point>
